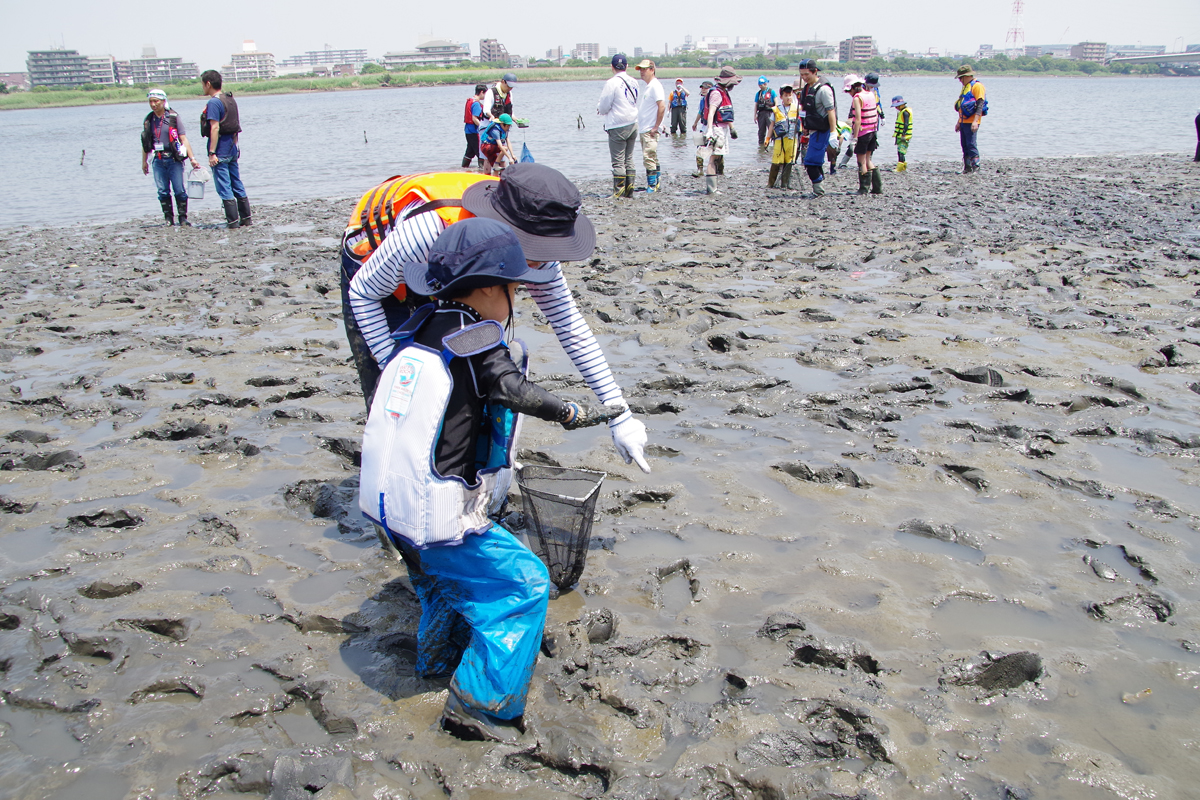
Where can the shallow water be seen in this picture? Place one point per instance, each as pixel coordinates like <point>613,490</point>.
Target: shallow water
<point>338,144</point>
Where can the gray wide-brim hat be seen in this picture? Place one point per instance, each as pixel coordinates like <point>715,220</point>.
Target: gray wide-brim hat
<point>542,207</point>
<point>470,254</point>
<point>728,77</point>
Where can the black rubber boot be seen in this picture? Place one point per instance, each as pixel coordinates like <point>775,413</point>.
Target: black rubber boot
<point>876,181</point>
<point>168,214</point>
<point>785,179</point>
<point>231,213</point>
<point>243,207</point>
<point>772,175</point>
<point>630,182</point>
<point>618,185</point>
<point>864,182</point>
<point>181,204</point>
<point>466,163</point>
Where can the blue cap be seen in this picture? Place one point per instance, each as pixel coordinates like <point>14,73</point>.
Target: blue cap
<point>762,79</point>
<point>619,61</point>
<point>898,100</point>
<point>472,253</point>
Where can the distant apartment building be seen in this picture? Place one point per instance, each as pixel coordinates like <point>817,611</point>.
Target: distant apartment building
<point>1133,50</point>
<point>14,80</point>
<point>492,50</point>
<point>433,53</point>
<point>249,65</point>
<point>1054,50</point>
<point>857,48</point>
<point>103,70</point>
<point>985,51</point>
<point>817,48</point>
<point>590,51</point>
<point>638,53</point>
<point>612,51</point>
<point>313,58</point>
<point>555,53</point>
<point>152,69</point>
<point>57,68</point>
<point>1090,51</point>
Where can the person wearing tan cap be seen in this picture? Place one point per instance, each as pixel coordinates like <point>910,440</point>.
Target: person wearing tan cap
<point>971,107</point>
<point>652,106</point>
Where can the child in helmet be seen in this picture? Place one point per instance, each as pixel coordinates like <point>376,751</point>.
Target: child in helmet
<point>437,447</point>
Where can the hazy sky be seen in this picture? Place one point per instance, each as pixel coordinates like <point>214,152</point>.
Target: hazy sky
<point>207,33</point>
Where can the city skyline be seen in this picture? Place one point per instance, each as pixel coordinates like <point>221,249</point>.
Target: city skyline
<point>294,28</point>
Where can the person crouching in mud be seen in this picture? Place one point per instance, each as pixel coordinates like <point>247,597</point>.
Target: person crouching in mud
<point>442,429</point>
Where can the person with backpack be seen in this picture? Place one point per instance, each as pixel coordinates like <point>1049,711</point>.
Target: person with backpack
<point>220,123</point>
<point>163,136</point>
<point>819,105</point>
<point>497,99</point>
<point>719,108</point>
<point>903,132</point>
<point>972,107</point>
<point>619,107</point>
<point>437,453</point>
<point>472,119</point>
<point>679,105</point>
<point>864,116</point>
<point>399,220</point>
<point>764,110</point>
<point>785,133</point>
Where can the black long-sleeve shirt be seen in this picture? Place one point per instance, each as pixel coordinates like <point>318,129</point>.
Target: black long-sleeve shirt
<point>487,377</point>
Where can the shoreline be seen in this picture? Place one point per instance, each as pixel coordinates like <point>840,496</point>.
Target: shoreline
<point>25,101</point>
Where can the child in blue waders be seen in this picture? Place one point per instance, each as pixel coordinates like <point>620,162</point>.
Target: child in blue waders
<point>437,459</point>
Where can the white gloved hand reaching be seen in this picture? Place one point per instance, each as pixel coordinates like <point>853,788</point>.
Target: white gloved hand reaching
<point>629,437</point>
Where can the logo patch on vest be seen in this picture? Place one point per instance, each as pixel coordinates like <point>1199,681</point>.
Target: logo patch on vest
<point>399,399</point>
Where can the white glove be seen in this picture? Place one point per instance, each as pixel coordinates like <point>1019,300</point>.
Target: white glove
<point>629,437</point>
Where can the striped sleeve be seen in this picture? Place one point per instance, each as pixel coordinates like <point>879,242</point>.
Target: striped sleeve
<point>383,273</point>
<point>556,303</point>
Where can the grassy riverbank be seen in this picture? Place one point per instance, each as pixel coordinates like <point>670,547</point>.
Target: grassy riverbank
<point>386,80</point>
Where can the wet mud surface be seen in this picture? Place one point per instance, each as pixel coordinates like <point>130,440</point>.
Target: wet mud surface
<point>923,521</point>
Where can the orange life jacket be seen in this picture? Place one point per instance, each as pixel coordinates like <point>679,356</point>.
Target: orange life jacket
<point>376,213</point>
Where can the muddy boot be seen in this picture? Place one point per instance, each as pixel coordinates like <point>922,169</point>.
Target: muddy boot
<point>818,189</point>
<point>772,175</point>
<point>618,185</point>
<point>876,181</point>
<point>168,214</point>
<point>231,213</point>
<point>864,182</point>
<point>785,178</point>
<point>243,207</point>
<point>710,184</point>
<point>181,204</point>
<point>652,182</point>
<point>699,173</point>
<point>720,161</point>
<point>630,182</point>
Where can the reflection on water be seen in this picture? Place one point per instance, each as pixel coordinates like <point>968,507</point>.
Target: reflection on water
<point>349,141</point>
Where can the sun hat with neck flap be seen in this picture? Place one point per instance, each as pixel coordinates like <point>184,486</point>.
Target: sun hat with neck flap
<point>542,207</point>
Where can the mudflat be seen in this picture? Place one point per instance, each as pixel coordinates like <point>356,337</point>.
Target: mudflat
<point>924,519</point>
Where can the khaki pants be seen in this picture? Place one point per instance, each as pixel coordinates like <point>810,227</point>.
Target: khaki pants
<point>650,151</point>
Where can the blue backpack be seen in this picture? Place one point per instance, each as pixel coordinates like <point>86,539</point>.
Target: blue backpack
<point>967,103</point>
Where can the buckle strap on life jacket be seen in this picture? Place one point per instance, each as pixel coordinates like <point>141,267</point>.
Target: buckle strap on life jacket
<point>433,205</point>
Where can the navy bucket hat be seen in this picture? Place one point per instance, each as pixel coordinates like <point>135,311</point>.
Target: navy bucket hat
<point>470,254</point>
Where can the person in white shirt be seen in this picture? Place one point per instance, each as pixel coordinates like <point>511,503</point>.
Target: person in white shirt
<point>618,106</point>
<point>652,106</point>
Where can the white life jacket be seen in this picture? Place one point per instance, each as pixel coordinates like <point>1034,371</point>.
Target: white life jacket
<point>399,488</point>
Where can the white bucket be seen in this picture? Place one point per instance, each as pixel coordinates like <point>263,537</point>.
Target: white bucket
<point>195,183</point>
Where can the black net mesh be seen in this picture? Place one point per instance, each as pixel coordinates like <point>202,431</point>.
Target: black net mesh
<point>559,504</point>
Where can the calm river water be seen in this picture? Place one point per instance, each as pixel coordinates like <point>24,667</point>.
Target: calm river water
<point>338,144</point>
